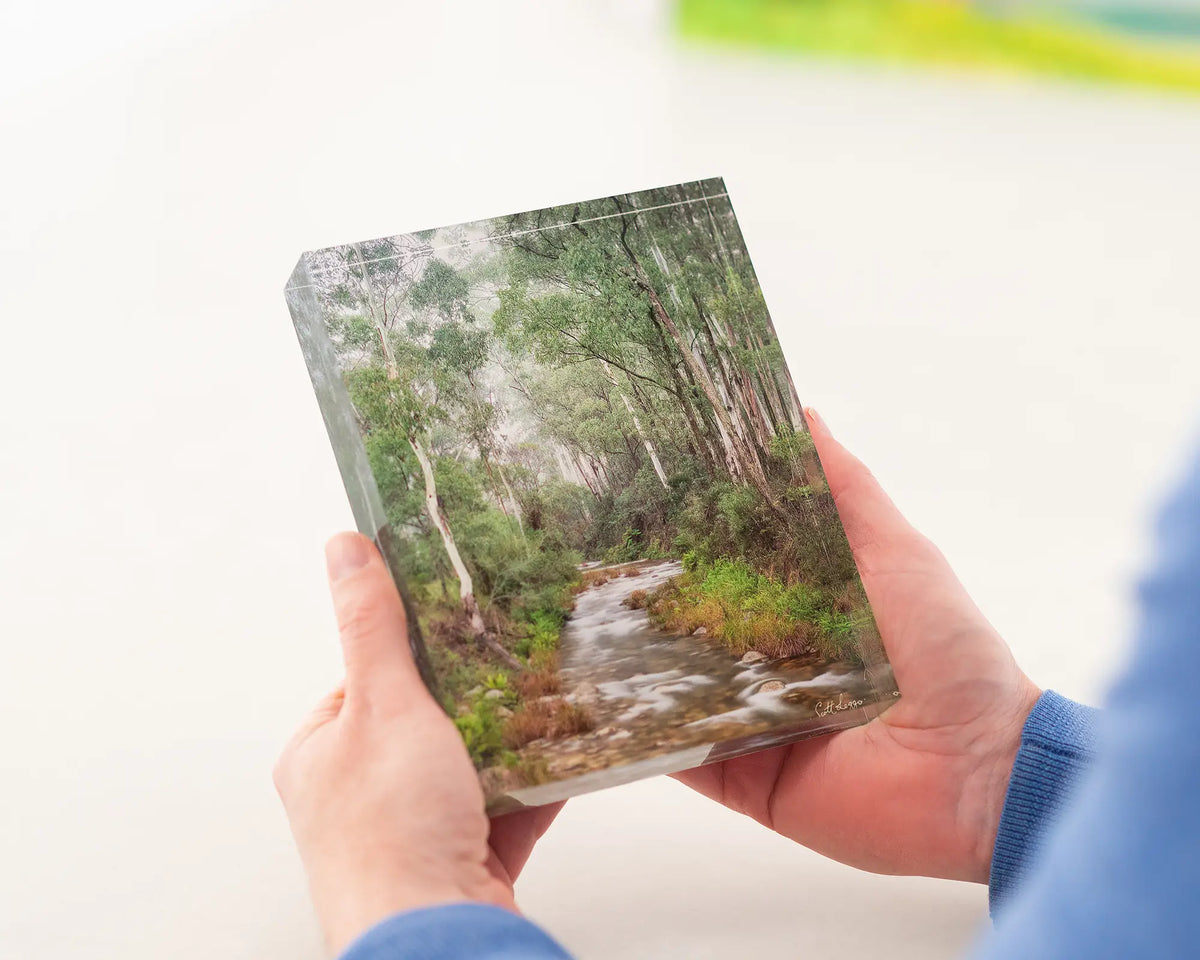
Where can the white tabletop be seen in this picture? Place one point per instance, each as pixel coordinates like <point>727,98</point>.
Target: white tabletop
<point>987,287</point>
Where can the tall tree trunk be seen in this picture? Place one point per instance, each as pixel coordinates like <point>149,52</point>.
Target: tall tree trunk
<point>770,393</point>
<point>750,428</point>
<point>575,460</point>
<point>750,400</point>
<point>704,449</point>
<point>711,427</point>
<point>637,425</point>
<point>791,398</point>
<point>375,312</point>
<point>769,380</point>
<point>763,432</point>
<point>601,482</point>
<point>466,588</point>
<point>770,414</point>
<point>512,500</point>
<point>562,465</point>
<point>746,457</point>
<point>491,475</point>
<point>604,472</point>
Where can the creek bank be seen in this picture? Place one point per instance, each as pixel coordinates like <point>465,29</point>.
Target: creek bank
<point>649,692</point>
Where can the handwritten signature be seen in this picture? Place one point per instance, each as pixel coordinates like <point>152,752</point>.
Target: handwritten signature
<point>826,707</point>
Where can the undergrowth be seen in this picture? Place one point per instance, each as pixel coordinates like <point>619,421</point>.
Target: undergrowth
<point>748,610</point>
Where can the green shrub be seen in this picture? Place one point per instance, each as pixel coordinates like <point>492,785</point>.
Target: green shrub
<point>628,550</point>
<point>747,609</point>
<point>482,732</point>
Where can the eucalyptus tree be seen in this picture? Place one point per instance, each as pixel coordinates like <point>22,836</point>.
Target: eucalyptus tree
<point>409,348</point>
<point>595,282</point>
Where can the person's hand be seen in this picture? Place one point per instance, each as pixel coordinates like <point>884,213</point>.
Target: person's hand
<point>382,798</point>
<point>920,788</point>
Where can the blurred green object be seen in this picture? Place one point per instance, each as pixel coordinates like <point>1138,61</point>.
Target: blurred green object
<point>1018,39</point>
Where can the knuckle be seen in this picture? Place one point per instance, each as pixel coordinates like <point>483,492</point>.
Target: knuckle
<point>358,614</point>
<point>856,479</point>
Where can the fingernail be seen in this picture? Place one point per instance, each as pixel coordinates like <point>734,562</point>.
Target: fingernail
<point>346,553</point>
<point>813,417</point>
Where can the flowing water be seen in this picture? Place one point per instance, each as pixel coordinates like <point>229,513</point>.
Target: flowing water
<point>652,692</point>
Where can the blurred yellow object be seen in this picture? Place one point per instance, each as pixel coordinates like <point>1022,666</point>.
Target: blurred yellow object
<point>945,32</point>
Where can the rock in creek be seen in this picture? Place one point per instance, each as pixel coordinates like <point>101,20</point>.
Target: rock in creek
<point>608,734</point>
<point>772,686</point>
<point>700,632</point>
<point>753,656</point>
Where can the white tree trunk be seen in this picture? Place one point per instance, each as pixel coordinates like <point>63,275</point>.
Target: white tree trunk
<point>466,587</point>
<point>637,425</point>
<point>377,316</point>
<point>512,500</point>
<point>561,459</point>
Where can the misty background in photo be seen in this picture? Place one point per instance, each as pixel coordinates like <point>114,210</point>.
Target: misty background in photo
<point>607,512</point>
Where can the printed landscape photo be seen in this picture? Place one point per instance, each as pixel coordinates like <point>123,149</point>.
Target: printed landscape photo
<point>574,436</point>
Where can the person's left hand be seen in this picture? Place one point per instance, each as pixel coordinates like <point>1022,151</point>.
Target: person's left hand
<point>382,798</point>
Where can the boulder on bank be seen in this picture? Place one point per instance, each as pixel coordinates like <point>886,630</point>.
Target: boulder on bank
<point>753,656</point>
<point>700,632</point>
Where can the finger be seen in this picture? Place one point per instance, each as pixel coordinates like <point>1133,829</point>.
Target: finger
<point>324,712</point>
<point>744,783</point>
<point>513,835</point>
<point>868,515</point>
<point>706,780</point>
<point>372,625</point>
<point>913,591</point>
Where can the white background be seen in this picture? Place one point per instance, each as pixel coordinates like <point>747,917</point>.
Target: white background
<point>989,289</point>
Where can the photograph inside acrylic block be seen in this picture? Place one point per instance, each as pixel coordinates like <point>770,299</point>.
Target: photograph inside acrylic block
<point>574,436</point>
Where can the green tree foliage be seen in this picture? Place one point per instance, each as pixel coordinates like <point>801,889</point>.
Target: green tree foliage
<point>600,381</point>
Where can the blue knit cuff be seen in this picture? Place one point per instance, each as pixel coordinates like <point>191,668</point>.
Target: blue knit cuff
<point>1057,745</point>
<point>459,931</point>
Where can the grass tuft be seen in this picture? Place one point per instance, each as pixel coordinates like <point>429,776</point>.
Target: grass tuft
<point>636,600</point>
<point>546,720</point>
<point>541,681</point>
<point>747,610</point>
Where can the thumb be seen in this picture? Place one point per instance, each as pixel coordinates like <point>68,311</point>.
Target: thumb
<point>372,625</point>
<point>873,524</point>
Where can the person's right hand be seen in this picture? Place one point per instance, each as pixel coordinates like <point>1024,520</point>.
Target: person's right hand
<point>919,789</point>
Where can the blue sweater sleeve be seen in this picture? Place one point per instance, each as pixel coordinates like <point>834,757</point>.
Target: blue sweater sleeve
<point>1057,746</point>
<point>1117,877</point>
<point>459,931</point>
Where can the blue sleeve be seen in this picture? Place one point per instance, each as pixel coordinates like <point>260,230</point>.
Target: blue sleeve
<point>1057,746</point>
<point>1118,875</point>
<point>459,931</point>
